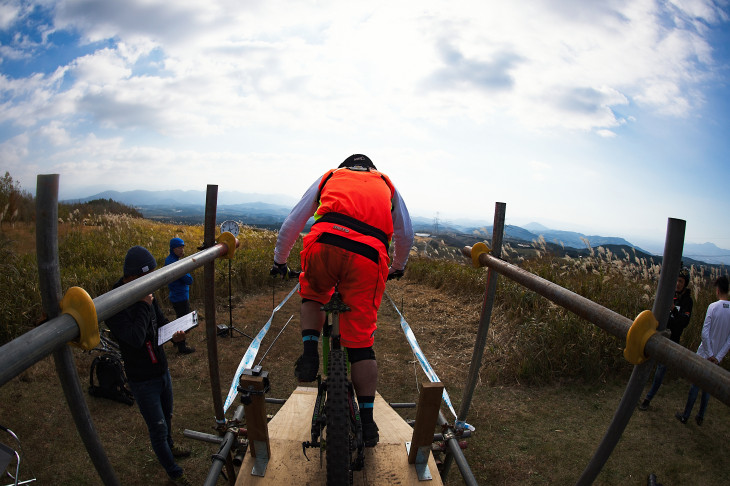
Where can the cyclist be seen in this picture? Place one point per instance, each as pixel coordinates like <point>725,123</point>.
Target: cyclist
<point>357,212</point>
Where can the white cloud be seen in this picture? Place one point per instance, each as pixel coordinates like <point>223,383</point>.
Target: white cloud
<point>274,91</point>
<point>9,13</point>
<point>538,170</point>
<point>55,133</point>
<point>226,65</point>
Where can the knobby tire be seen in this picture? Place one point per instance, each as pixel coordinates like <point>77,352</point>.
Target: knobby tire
<point>338,445</point>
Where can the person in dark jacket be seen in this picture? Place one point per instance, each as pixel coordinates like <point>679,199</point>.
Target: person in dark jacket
<point>679,317</point>
<point>180,290</point>
<point>145,363</point>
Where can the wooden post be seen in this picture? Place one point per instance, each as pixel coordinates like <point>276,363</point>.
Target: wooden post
<point>255,413</point>
<point>429,403</point>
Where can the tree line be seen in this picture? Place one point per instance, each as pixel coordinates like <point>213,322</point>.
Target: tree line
<point>15,203</point>
<point>18,205</point>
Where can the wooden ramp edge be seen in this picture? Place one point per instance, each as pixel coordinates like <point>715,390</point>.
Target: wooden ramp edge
<point>386,463</point>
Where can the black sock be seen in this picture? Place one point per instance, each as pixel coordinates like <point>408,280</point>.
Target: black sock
<point>366,408</point>
<point>310,339</point>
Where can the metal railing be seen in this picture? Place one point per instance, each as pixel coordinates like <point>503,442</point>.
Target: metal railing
<point>24,351</point>
<point>711,378</point>
<point>53,336</point>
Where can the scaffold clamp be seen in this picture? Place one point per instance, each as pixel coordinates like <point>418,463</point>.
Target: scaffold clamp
<point>79,305</point>
<point>229,240</point>
<point>643,327</point>
<point>476,251</point>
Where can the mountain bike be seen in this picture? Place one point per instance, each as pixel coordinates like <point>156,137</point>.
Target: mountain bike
<point>336,424</point>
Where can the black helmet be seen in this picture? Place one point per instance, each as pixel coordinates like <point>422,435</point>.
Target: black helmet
<point>355,160</point>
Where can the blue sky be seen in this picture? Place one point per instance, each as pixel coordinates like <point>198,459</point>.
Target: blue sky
<point>600,117</point>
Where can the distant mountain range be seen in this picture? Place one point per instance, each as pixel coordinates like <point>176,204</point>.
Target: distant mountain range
<point>185,198</point>
<point>270,210</point>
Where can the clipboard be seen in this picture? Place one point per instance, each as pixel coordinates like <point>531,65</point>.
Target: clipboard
<point>183,323</point>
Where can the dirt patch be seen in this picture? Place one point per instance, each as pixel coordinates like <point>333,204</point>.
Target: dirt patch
<point>524,435</point>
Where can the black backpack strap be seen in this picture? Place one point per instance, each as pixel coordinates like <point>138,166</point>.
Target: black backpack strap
<point>91,371</point>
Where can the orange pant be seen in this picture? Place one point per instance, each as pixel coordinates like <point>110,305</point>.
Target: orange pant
<point>361,284</point>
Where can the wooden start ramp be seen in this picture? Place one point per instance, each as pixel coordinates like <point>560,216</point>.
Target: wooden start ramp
<point>386,463</point>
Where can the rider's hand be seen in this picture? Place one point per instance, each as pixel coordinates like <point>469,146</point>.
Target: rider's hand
<point>393,273</point>
<point>279,269</point>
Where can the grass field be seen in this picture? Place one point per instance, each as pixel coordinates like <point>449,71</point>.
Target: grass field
<point>525,435</point>
<point>548,387</point>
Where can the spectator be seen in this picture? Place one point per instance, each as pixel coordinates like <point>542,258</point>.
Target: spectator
<point>679,316</point>
<point>714,346</point>
<point>135,328</point>
<point>180,290</point>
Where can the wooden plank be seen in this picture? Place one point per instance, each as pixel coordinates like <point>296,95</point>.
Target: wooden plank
<point>256,416</point>
<point>386,463</point>
<point>429,402</point>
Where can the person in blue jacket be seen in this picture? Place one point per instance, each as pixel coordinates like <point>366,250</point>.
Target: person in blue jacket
<point>180,290</point>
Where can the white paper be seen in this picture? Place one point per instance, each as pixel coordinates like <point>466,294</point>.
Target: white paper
<point>183,323</point>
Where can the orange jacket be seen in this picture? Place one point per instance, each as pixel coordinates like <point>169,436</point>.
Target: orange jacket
<point>361,198</point>
<point>365,196</point>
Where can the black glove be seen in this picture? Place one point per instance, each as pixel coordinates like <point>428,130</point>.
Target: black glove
<point>397,274</point>
<point>279,269</point>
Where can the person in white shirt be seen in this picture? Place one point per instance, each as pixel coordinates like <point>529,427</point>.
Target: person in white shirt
<point>714,346</point>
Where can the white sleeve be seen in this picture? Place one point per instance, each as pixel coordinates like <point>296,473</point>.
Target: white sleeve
<point>295,222</point>
<point>402,232</point>
<point>706,334</point>
<point>723,352</point>
<point>724,347</point>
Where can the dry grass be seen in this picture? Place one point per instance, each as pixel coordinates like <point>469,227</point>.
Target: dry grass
<point>525,435</point>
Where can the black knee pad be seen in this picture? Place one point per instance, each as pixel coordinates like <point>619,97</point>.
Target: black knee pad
<point>360,354</point>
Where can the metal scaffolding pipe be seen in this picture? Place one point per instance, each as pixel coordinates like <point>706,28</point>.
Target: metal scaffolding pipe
<point>24,351</point>
<point>455,451</point>
<point>117,299</point>
<point>202,436</point>
<point>485,316</point>
<point>224,453</point>
<point>50,287</point>
<point>211,328</point>
<point>482,332</point>
<point>671,262</point>
<point>714,379</point>
<point>606,319</point>
<point>211,331</point>
<point>51,337</point>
